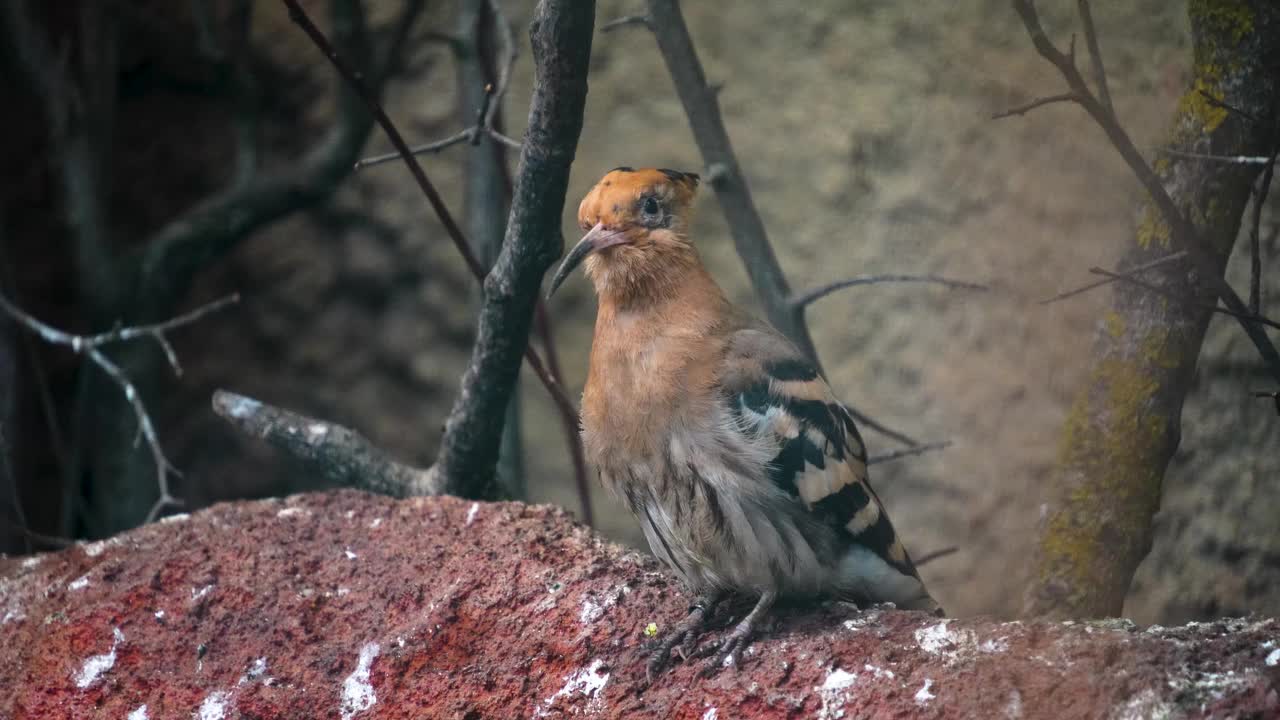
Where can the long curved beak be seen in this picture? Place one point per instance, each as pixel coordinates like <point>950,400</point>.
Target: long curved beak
<point>597,238</point>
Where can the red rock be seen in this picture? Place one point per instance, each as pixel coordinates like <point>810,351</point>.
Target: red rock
<point>347,605</point>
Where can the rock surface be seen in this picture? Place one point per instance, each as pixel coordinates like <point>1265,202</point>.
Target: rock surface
<point>347,605</point>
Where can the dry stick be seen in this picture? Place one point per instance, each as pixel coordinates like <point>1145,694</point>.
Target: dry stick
<point>1172,296</point>
<point>1183,232</point>
<point>542,326</point>
<point>702,108</point>
<point>908,452</point>
<point>809,297</point>
<point>341,455</point>
<point>1255,237</point>
<point>354,80</point>
<point>1038,102</point>
<point>1233,159</point>
<point>1095,55</point>
<point>936,555</point>
<point>90,346</point>
<point>1107,281</point>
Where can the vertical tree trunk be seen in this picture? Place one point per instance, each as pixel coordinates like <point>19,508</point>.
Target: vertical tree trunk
<point>561,39</point>
<point>1123,427</point>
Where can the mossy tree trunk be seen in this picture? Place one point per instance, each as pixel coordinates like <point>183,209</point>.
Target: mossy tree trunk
<point>1123,427</point>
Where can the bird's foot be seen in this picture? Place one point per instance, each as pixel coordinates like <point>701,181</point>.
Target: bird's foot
<point>728,649</point>
<point>682,639</point>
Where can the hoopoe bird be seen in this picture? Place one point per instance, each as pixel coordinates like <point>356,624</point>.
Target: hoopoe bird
<point>746,474</point>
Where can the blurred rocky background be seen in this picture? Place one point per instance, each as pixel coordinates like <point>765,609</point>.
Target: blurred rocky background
<point>864,129</point>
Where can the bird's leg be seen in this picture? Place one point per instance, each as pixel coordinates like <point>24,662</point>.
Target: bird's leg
<point>682,636</point>
<point>728,649</point>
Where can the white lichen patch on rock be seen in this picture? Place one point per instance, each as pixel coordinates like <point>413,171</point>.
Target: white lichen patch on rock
<point>138,713</point>
<point>175,518</point>
<point>592,609</point>
<point>1273,658</point>
<point>879,672</point>
<point>710,714</point>
<point>97,665</point>
<point>357,692</point>
<point>941,640</point>
<point>79,583</point>
<point>834,693</point>
<point>201,592</point>
<point>471,514</point>
<point>924,695</point>
<point>293,512</point>
<point>214,706</point>
<point>94,549</point>
<point>587,682</point>
<point>34,560</point>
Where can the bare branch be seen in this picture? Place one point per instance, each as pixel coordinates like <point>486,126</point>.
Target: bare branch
<point>542,325</point>
<point>1038,102</point>
<point>91,347</point>
<point>341,455</point>
<point>485,116</point>
<point>1255,236</point>
<point>1247,316</point>
<point>626,20</point>
<point>1127,273</point>
<point>1234,159</point>
<point>871,423</point>
<point>1220,103</point>
<point>809,297</point>
<point>1095,55</point>
<point>908,452</point>
<point>936,555</point>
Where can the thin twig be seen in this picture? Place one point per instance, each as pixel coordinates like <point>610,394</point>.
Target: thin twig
<point>1107,281</point>
<point>1255,236</point>
<point>626,20</point>
<point>936,555</point>
<point>908,452</point>
<point>1038,102</point>
<point>871,423</point>
<point>1095,55</point>
<point>485,116</point>
<point>1231,159</point>
<point>808,297</point>
<point>91,347</point>
<point>542,325</point>
<point>1222,104</point>
<point>1247,316</point>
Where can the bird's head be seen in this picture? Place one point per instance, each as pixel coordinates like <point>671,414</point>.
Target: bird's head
<point>637,229</point>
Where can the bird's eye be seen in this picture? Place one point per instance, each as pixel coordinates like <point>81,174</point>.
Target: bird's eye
<point>651,206</point>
